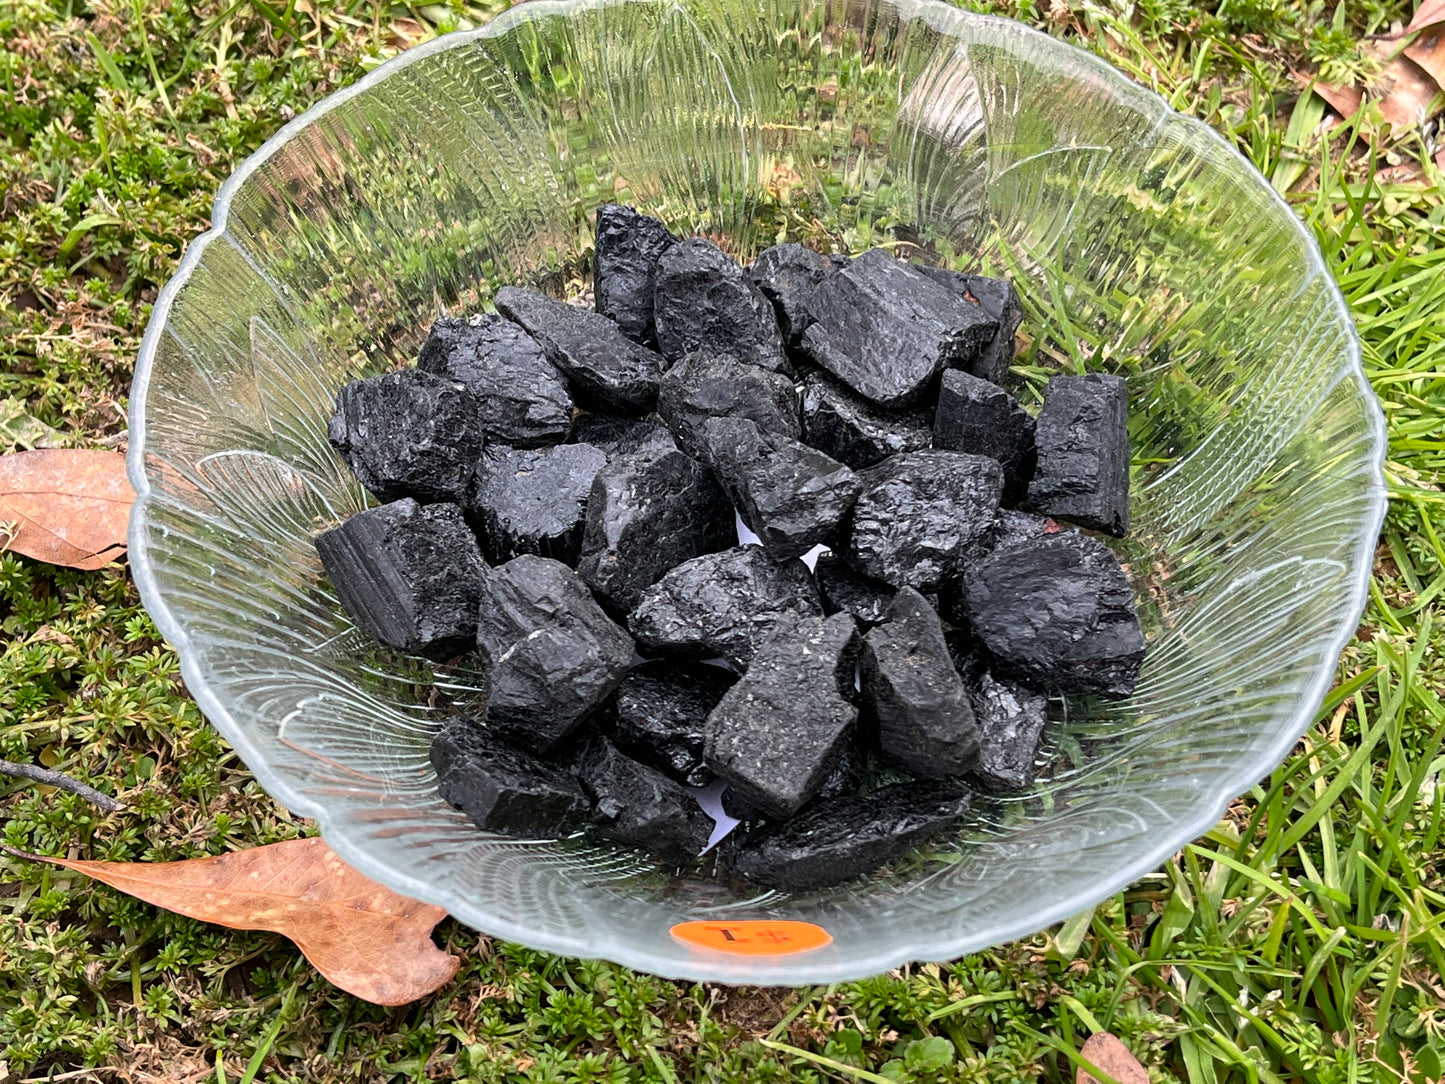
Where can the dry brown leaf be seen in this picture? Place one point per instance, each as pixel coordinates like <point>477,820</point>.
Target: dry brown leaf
<point>1428,51</point>
<point>65,506</point>
<point>1404,91</point>
<point>1343,100</point>
<point>362,936</point>
<point>1113,1057</point>
<point>1428,13</point>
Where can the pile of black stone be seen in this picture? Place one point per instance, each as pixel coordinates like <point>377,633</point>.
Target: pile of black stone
<point>562,487</point>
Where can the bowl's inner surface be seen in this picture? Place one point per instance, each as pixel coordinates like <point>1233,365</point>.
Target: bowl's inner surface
<point>1140,243</point>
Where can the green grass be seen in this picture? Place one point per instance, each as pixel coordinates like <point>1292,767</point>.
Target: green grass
<point>1303,939</point>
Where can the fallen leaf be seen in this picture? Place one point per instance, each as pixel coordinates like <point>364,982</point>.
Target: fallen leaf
<point>65,506</point>
<point>1428,51</point>
<point>1109,1054</point>
<point>371,942</point>
<point>1427,14</point>
<point>1343,100</point>
<point>1404,90</point>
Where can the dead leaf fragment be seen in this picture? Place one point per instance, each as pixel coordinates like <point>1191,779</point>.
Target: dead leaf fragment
<point>1113,1057</point>
<point>365,938</point>
<point>1428,51</point>
<point>1404,91</point>
<point>65,506</point>
<point>1428,13</point>
<point>1344,100</point>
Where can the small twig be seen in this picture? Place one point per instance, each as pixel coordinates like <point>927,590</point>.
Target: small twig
<point>64,782</point>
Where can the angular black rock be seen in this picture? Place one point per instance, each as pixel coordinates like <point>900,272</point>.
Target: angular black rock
<point>551,653</point>
<point>723,604</point>
<point>1057,613</point>
<point>408,575</point>
<point>923,516</point>
<point>625,268</point>
<point>662,709</point>
<point>843,588</point>
<point>791,496</point>
<point>533,500</point>
<point>918,707</point>
<point>856,432</point>
<point>981,418</point>
<point>502,788</point>
<point>703,386</point>
<point>524,399</point>
<point>605,367</point>
<point>409,434</point>
<point>617,436</point>
<point>1011,722</point>
<point>886,330</point>
<point>1000,300</point>
<point>706,302</point>
<point>639,806</point>
<point>1015,526</point>
<point>648,512</point>
<point>778,733</point>
<point>846,837</point>
<point>787,275</point>
<point>1082,435</point>
<point>845,777</point>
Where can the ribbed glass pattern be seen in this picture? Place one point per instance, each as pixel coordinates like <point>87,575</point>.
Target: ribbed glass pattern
<point>1141,243</point>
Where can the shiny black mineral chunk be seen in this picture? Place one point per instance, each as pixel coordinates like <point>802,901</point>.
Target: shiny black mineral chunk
<point>843,588</point>
<point>886,330</point>
<point>1011,722</point>
<point>617,436</point>
<point>533,500</point>
<point>978,417</point>
<point>409,434</point>
<point>779,732</point>
<point>923,516</point>
<point>606,368</point>
<point>1057,613</point>
<point>647,513</point>
<point>1000,300</point>
<point>918,707</point>
<point>524,399</point>
<point>703,386</point>
<point>854,431</point>
<point>846,837</point>
<point>639,806</point>
<point>723,604</point>
<point>502,788</point>
<point>1082,437</point>
<point>706,302</point>
<point>787,275</point>
<point>625,268</point>
<point>791,496</point>
<point>551,653</point>
<point>845,777</point>
<point>662,709</point>
<point>1015,526</point>
<point>408,575</point>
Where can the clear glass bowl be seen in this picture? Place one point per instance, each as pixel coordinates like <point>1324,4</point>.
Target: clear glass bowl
<point>1141,242</point>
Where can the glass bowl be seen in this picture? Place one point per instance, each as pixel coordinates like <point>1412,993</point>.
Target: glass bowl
<point>1140,241</point>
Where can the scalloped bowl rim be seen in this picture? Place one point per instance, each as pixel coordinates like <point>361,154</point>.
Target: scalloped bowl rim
<point>1098,888</point>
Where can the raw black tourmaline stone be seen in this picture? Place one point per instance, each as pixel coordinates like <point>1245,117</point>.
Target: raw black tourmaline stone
<point>886,330</point>
<point>625,268</point>
<point>787,275</point>
<point>723,604</point>
<point>1057,613</point>
<point>534,500</point>
<point>778,733</point>
<point>1001,301</point>
<point>978,417</point>
<point>641,807</point>
<point>662,710</point>
<point>551,654</point>
<point>843,588</point>
<point>503,789</point>
<point>917,703</point>
<point>1011,722</point>
<point>854,431</point>
<point>524,399</point>
<point>616,436</point>
<point>606,368</point>
<point>706,302</point>
<point>791,496</point>
<point>647,513</point>
<point>409,434</point>
<point>923,516</point>
<point>845,777</point>
<point>703,386</point>
<point>1015,526</point>
<point>846,837</point>
<point>1082,436</point>
<point>408,575</point>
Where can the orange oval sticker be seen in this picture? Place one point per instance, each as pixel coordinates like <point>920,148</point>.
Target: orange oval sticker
<point>753,937</point>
